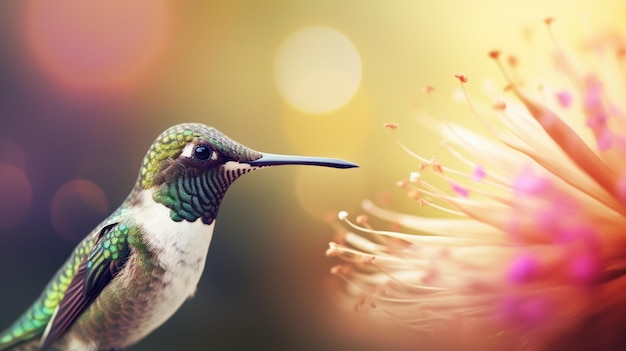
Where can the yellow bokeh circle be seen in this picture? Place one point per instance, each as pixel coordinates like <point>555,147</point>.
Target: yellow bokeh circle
<point>317,69</point>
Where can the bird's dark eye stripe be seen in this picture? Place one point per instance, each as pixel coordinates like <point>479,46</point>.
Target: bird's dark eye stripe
<point>202,152</point>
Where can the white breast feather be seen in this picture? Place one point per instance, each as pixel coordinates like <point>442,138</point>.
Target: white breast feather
<point>182,248</point>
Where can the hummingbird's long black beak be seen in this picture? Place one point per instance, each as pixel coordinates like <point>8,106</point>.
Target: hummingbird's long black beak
<point>277,160</point>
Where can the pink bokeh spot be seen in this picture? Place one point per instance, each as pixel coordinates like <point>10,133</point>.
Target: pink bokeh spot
<point>479,173</point>
<point>605,140</point>
<point>585,235</point>
<point>529,183</point>
<point>523,269</point>
<point>584,269</point>
<point>97,44</point>
<point>596,120</point>
<point>564,98</point>
<point>459,190</point>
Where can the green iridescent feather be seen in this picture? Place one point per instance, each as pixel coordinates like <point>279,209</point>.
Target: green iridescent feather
<point>167,145</point>
<point>32,324</point>
<point>112,246</point>
<point>105,260</point>
<point>170,143</point>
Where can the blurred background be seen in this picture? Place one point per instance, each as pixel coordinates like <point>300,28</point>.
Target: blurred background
<point>86,86</point>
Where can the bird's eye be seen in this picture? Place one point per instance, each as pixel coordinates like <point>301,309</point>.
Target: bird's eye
<point>202,152</point>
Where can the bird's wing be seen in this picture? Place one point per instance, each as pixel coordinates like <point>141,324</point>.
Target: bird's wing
<point>105,260</point>
<point>33,322</point>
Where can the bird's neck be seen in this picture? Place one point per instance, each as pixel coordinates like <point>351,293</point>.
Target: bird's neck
<point>167,238</point>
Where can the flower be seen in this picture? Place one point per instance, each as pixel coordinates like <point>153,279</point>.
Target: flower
<point>531,244</point>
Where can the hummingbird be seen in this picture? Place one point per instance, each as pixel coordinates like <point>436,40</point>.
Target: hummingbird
<point>134,270</point>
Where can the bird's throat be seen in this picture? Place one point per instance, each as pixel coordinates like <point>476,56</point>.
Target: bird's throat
<point>192,195</point>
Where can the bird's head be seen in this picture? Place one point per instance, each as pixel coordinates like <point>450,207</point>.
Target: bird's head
<point>190,166</point>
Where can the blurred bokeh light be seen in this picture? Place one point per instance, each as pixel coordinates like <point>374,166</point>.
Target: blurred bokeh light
<point>77,196</point>
<point>103,44</point>
<point>87,86</point>
<point>317,69</point>
<point>17,196</point>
